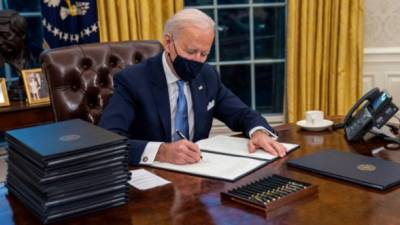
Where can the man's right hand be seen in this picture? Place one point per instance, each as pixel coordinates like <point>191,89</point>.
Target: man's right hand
<point>179,152</point>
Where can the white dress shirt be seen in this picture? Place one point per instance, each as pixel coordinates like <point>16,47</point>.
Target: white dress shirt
<point>151,149</point>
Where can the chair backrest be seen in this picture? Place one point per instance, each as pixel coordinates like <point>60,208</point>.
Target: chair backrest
<point>80,77</point>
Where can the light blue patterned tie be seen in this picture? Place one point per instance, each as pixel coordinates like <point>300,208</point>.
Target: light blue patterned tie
<point>181,117</point>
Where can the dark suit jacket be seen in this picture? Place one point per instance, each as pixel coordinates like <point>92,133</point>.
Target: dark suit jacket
<point>139,107</point>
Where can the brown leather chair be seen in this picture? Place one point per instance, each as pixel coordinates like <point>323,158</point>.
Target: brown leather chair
<point>80,77</point>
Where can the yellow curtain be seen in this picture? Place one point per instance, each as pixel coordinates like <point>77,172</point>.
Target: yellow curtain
<point>325,56</point>
<point>122,20</point>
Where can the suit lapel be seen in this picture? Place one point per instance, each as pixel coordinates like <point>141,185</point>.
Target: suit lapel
<point>160,94</point>
<point>199,98</point>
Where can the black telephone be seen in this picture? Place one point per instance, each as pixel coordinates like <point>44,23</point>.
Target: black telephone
<point>374,109</point>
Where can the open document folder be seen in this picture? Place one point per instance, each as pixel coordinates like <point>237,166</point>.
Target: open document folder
<point>225,158</point>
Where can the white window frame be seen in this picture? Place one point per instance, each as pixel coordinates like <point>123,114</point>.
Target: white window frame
<point>275,118</point>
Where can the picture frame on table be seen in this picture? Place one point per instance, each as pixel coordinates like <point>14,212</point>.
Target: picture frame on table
<point>36,87</point>
<point>4,101</point>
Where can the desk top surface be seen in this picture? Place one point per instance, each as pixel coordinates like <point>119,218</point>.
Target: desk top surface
<point>21,106</point>
<point>195,200</point>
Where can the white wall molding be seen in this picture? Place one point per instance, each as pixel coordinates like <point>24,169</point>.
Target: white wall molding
<point>382,70</point>
<point>382,55</point>
<point>382,51</point>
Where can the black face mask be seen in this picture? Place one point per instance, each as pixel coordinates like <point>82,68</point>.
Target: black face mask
<point>186,69</point>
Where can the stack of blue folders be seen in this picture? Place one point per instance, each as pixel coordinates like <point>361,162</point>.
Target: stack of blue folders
<point>66,169</point>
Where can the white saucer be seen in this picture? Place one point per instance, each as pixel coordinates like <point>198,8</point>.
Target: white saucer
<point>316,127</point>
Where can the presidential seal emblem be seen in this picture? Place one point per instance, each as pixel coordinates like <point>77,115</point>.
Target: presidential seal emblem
<point>366,167</point>
<point>69,137</point>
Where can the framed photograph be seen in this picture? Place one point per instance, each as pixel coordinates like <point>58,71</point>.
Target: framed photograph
<point>3,93</point>
<point>36,86</point>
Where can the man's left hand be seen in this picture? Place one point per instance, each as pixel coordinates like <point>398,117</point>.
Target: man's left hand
<point>261,140</point>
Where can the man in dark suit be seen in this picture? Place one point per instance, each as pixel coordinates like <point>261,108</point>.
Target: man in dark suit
<point>167,102</point>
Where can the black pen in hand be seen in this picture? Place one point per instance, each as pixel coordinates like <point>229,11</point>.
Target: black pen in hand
<point>180,134</point>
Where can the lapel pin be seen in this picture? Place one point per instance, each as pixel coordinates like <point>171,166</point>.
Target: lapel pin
<point>200,87</point>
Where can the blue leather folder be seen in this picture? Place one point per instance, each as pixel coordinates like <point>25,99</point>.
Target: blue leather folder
<point>360,169</point>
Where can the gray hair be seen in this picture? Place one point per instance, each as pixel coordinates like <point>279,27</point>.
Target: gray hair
<point>188,17</point>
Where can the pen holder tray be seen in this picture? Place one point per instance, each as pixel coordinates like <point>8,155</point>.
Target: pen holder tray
<point>270,192</point>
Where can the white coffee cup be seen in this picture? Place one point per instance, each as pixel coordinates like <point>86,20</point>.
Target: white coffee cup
<point>314,117</point>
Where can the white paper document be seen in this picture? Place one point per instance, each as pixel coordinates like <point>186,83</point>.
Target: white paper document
<point>224,158</point>
<point>216,166</point>
<point>143,179</point>
<point>237,146</point>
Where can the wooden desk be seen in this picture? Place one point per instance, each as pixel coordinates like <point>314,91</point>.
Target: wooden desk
<point>20,114</point>
<point>195,200</point>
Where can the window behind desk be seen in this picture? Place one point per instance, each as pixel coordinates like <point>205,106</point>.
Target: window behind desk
<point>249,49</point>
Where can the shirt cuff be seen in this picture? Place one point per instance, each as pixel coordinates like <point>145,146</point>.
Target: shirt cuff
<point>270,133</point>
<point>150,152</point>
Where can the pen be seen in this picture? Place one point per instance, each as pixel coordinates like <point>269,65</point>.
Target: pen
<point>180,134</point>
